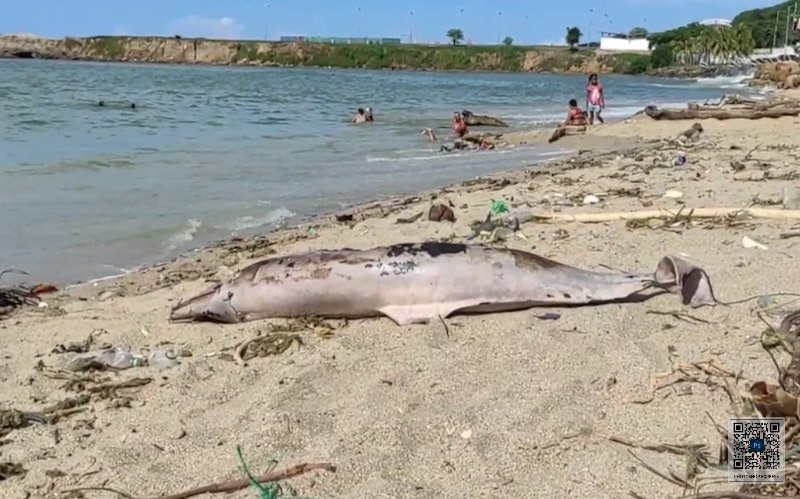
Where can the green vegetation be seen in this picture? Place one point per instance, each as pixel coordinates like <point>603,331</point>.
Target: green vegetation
<point>662,56</point>
<point>696,43</point>
<point>630,63</point>
<point>507,57</point>
<point>109,47</point>
<point>638,32</point>
<point>672,50</point>
<point>456,35</point>
<point>763,24</point>
<point>573,37</point>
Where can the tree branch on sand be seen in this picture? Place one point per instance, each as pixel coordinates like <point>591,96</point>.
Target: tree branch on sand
<point>739,213</point>
<point>566,130</point>
<point>719,114</point>
<point>729,107</point>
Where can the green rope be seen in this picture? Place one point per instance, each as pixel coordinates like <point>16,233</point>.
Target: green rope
<point>268,491</point>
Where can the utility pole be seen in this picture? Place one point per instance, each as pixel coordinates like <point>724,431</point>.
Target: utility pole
<point>266,31</point>
<point>786,31</point>
<point>775,32</point>
<point>589,35</point>
<point>499,22</point>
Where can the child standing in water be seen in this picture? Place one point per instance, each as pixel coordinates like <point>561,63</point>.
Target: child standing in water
<point>595,99</point>
<point>459,125</point>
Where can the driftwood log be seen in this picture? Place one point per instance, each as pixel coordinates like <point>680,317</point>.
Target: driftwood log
<point>731,100</point>
<point>482,120</point>
<point>567,130</point>
<point>477,139</point>
<point>738,213</point>
<point>702,113</point>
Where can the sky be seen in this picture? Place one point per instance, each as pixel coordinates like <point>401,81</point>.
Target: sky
<point>483,21</point>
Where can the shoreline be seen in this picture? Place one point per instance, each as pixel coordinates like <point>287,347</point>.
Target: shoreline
<point>532,138</point>
<point>690,75</point>
<point>328,218</point>
<point>483,406</point>
<point>523,119</point>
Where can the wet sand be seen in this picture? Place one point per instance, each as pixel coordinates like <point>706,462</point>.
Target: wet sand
<point>506,405</point>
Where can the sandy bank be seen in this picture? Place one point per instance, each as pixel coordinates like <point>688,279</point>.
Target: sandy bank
<point>507,405</point>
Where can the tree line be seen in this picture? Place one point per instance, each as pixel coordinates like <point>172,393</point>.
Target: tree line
<point>695,43</point>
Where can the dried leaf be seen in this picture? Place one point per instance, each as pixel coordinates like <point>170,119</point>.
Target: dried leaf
<point>772,400</point>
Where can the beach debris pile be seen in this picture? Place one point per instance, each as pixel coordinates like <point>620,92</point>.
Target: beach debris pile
<point>441,213</point>
<point>500,223</point>
<point>13,297</point>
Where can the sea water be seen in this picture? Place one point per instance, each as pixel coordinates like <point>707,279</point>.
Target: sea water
<point>210,152</point>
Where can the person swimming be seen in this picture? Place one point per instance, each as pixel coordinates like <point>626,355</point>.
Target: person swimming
<point>459,125</point>
<point>368,114</point>
<point>430,133</point>
<point>359,117</point>
<point>575,115</point>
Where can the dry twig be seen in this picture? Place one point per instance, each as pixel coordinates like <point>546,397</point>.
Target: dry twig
<point>225,487</point>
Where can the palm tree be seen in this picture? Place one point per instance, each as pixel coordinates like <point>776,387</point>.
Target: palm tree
<point>684,51</point>
<point>573,37</point>
<point>745,42</point>
<point>456,35</point>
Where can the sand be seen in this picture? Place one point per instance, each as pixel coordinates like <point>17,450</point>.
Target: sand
<point>507,405</point>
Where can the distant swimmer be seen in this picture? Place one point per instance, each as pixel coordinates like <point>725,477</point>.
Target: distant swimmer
<point>133,106</point>
<point>101,103</point>
<point>459,125</point>
<point>368,114</point>
<point>429,132</point>
<point>359,117</point>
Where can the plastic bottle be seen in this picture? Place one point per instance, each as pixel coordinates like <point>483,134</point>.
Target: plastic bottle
<point>117,358</point>
<point>162,359</point>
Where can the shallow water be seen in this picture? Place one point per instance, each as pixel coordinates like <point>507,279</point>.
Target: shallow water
<point>208,152</point>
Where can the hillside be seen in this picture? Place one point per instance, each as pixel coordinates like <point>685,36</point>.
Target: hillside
<point>253,53</point>
<point>762,23</point>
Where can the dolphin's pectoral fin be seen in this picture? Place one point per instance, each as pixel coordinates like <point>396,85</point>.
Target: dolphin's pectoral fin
<point>404,315</point>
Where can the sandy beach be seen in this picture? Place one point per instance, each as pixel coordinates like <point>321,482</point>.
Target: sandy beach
<point>496,405</point>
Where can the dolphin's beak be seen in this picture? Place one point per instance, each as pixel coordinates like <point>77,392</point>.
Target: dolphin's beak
<point>194,308</point>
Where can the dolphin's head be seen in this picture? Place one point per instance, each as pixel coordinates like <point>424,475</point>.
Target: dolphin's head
<point>213,304</point>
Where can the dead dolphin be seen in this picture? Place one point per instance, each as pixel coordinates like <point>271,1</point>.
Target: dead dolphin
<point>418,282</point>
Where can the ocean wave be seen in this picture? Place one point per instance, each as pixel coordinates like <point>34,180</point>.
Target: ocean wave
<point>552,117</point>
<point>185,235</point>
<point>383,159</point>
<point>723,81</point>
<point>271,217</point>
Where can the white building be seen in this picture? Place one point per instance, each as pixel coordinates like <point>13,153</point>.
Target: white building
<point>717,22</point>
<point>619,42</point>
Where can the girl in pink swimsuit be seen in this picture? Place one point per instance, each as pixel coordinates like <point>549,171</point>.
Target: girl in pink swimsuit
<point>595,100</point>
